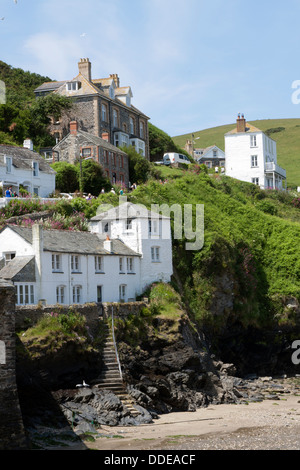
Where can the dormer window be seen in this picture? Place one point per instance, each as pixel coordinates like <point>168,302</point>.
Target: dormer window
<point>72,86</point>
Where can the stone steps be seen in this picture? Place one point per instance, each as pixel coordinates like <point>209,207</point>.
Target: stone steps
<point>110,377</point>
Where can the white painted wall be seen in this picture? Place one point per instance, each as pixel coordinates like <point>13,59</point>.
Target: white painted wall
<point>238,151</point>
<point>45,182</point>
<point>140,240</point>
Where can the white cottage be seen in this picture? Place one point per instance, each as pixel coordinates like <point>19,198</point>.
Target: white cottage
<point>252,156</point>
<point>146,232</point>
<point>62,267</point>
<point>22,166</point>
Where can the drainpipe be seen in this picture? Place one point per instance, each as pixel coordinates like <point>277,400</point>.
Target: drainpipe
<point>37,245</point>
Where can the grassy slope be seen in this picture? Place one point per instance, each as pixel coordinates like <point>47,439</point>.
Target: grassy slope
<point>288,142</point>
<point>257,250</point>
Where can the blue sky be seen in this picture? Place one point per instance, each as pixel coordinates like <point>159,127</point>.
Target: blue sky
<point>191,65</point>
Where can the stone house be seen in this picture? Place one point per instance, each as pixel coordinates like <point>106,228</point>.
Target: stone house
<point>65,267</point>
<point>79,144</point>
<point>101,106</point>
<point>252,156</point>
<point>22,166</point>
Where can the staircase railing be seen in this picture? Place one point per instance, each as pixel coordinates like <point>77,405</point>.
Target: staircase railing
<point>114,341</point>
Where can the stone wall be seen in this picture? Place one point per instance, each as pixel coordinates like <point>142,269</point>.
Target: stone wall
<point>12,434</point>
<point>29,314</point>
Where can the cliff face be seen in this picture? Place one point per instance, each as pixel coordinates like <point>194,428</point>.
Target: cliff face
<point>171,368</point>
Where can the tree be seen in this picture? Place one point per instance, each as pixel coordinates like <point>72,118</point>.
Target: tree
<point>66,180</point>
<point>139,167</point>
<point>41,111</point>
<point>91,178</point>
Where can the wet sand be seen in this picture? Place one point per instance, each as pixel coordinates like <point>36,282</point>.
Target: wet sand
<point>270,424</point>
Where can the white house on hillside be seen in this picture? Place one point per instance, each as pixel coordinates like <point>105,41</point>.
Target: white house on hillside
<point>23,166</point>
<point>252,156</point>
<point>145,232</point>
<point>65,267</point>
<point>211,156</point>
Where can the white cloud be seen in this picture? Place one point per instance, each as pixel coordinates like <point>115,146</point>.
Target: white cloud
<point>53,54</point>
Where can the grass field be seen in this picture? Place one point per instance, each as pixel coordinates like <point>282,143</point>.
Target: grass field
<point>288,142</point>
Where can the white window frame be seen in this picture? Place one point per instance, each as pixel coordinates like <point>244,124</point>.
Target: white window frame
<point>130,264</point>
<point>8,162</point>
<point>142,130</point>
<point>115,118</point>
<point>60,294</point>
<point>131,125</point>
<point>72,86</point>
<point>122,291</point>
<point>121,264</point>
<point>253,142</point>
<point>254,161</point>
<point>25,294</point>
<point>56,263</point>
<point>255,181</point>
<point>35,169</point>
<point>128,224</point>
<point>155,254</point>
<point>9,255</point>
<point>104,112</point>
<point>99,264</point>
<point>153,226</point>
<point>77,294</point>
<point>75,263</point>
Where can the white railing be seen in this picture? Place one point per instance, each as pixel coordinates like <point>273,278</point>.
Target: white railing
<point>273,167</point>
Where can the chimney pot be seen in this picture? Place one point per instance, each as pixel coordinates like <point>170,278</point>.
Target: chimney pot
<point>85,68</point>
<point>241,123</point>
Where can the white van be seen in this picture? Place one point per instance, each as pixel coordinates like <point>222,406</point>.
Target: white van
<point>172,157</point>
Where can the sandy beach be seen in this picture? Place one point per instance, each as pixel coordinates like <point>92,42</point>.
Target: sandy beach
<point>266,425</point>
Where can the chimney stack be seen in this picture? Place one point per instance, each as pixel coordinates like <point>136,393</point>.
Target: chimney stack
<point>107,244</point>
<point>105,136</point>
<point>116,79</point>
<point>73,127</point>
<point>85,68</point>
<point>241,123</point>
<point>28,144</point>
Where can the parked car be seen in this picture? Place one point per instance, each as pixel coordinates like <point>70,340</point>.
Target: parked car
<point>172,157</point>
<point>65,195</point>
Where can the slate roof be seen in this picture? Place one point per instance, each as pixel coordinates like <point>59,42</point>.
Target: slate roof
<point>22,158</point>
<point>125,211</point>
<point>249,128</point>
<point>15,268</point>
<point>86,137</point>
<point>64,241</point>
<point>50,86</point>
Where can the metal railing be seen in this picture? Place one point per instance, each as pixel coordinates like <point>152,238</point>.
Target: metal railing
<point>271,166</point>
<point>114,341</point>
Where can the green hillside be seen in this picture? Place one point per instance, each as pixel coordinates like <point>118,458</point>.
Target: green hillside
<point>286,132</point>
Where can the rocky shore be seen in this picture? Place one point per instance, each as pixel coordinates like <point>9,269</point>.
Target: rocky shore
<point>90,415</point>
